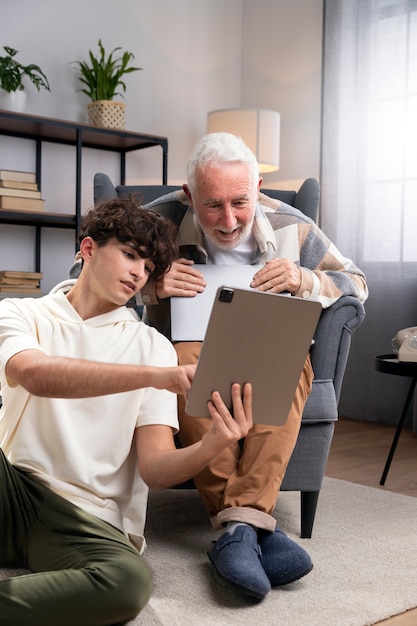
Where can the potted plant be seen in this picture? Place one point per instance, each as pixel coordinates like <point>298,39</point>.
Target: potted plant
<point>102,78</point>
<point>12,75</point>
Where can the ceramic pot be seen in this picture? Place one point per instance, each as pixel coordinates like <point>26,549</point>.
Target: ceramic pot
<point>13,100</point>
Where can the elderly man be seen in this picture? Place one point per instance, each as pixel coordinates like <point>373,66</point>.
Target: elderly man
<point>222,219</point>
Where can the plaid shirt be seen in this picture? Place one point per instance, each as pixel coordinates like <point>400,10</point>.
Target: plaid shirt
<point>280,230</point>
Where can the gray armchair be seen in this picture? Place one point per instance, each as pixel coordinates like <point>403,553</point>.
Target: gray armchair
<point>329,356</point>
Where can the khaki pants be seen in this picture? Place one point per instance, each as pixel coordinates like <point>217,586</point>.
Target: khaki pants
<point>85,571</point>
<point>243,481</point>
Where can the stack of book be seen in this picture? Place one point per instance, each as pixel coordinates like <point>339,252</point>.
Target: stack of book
<point>20,283</point>
<point>19,192</point>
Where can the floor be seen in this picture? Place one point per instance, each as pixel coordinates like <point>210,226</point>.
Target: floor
<point>358,454</point>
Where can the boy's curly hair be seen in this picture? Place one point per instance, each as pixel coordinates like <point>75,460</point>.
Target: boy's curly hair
<point>152,236</point>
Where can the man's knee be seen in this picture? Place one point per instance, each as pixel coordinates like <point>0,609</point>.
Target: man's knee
<point>187,351</point>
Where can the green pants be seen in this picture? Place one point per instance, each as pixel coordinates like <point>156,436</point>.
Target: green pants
<point>85,571</point>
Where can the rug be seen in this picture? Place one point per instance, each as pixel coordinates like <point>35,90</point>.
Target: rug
<point>364,550</point>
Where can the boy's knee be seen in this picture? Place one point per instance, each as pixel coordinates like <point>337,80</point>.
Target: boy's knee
<point>126,587</point>
<point>135,587</point>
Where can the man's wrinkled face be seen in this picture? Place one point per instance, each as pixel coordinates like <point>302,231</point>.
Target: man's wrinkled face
<point>224,203</point>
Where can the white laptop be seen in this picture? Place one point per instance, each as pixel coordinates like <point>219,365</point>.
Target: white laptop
<point>259,338</point>
<point>190,316</point>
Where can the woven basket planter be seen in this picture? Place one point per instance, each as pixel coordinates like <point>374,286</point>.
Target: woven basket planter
<point>107,114</point>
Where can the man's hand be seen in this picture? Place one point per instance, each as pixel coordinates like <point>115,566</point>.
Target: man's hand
<point>182,280</point>
<point>277,276</point>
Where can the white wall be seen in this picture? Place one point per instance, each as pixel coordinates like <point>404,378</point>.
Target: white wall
<point>281,70</point>
<point>197,55</point>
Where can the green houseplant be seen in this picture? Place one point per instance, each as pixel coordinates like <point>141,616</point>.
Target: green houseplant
<point>102,79</point>
<point>13,75</point>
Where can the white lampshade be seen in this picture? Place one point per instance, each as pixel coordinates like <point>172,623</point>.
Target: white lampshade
<point>259,129</point>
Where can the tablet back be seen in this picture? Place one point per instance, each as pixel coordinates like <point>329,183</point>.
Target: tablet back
<point>254,337</point>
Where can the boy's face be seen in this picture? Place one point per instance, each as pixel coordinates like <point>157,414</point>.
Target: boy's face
<point>115,271</point>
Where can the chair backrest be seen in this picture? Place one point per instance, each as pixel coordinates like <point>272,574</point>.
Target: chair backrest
<point>147,192</point>
<point>306,199</point>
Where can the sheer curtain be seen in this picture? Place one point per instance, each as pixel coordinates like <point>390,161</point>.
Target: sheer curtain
<point>369,181</point>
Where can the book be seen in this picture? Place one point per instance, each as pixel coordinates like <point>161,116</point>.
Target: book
<point>30,205</point>
<point>18,289</point>
<point>18,184</point>
<point>24,177</point>
<point>20,274</point>
<point>19,193</point>
<point>16,281</point>
<point>23,282</point>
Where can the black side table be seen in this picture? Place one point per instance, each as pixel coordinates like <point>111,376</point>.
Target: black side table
<point>389,364</point>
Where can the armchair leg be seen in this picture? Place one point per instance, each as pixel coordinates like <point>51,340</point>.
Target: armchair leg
<point>309,501</point>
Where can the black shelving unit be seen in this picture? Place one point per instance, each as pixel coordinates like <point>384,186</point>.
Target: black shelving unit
<point>44,129</point>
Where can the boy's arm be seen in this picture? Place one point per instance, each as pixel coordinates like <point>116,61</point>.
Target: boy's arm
<point>61,377</point>
<point>162,465</point>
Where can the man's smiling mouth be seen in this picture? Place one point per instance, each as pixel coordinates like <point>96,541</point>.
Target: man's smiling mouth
<point>228,232</point>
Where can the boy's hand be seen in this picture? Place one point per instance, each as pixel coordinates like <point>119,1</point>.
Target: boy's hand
<point>175,379</point>
<point>227,428</point>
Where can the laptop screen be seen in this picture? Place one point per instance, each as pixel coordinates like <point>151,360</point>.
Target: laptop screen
<point>190,316</point>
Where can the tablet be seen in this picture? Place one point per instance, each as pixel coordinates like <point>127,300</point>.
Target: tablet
<point>255,337</point>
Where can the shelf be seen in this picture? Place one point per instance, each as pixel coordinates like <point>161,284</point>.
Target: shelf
<point>57,220</point>
<point>45,129</point>
<point>64,132</point>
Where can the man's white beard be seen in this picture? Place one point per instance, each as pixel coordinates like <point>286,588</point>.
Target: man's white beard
<point>245,233</point>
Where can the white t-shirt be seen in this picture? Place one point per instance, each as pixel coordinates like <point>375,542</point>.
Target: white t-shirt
<point>82,448</point>
<point>243,254</point>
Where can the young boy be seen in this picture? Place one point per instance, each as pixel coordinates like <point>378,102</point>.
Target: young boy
<point>87,423</point>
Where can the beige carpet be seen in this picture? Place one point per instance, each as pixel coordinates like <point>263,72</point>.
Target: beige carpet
<point>364,549</point>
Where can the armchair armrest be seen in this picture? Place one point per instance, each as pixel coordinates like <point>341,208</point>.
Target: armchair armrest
<point>330,352</point>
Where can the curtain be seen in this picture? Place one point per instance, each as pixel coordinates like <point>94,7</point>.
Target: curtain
<point>369,182</point>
